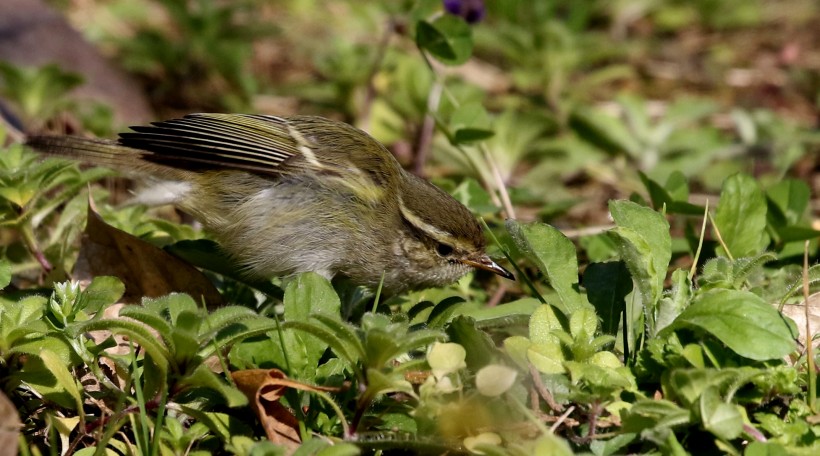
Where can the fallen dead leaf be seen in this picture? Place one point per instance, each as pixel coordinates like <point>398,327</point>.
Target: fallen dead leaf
<point>9,427</point>
<point>797,312</point>
<point>264,388</point>
<point>146,270</point>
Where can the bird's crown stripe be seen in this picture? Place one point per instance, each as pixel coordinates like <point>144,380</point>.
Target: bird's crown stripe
<point>435,233</point>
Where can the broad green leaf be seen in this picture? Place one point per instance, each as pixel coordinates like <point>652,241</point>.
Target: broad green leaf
<point>605,131</point>
<point>516,347</point>
<point>672,305</point>
<point>102,292</point>
<point>5,273</point>
<point>542,324</point>
<point>741,216</point>
<point>481,350</point>
<point>470,123</point>
<point>511,310</point>
<point>607,285</point>
<point>308,294</point>
<point>791,197</point>
<point>645,246</point>
<point>677,186</point>
<point>756,448</point>
<point>687,385</point>
<point>488,439</point>
<point>552,445</point>
<point>446,358</point>
<point>60,371</point>
<point>555,256</point>
<point>340,449</point>
<point>661,197</point>
<point>546,357</point>
<point>448,38</point>
<point>651,413</point>
<point>606,359</point>
<point>202,376</point>
<point>582,324</point>
<point>471,194</point>
<point>721,419</point>
<point>743,321</point>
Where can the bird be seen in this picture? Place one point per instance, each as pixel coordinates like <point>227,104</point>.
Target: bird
<point>287,195</point>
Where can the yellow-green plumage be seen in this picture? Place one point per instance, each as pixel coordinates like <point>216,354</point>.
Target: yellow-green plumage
<point>288,195</point>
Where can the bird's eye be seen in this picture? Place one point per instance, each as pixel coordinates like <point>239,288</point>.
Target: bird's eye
<point>444,249</point>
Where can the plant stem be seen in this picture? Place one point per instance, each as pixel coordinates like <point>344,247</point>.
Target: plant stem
<point>34,248</point>
<point>810,369</point>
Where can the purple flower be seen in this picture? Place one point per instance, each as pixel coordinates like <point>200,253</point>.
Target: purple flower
<point>471,10</point>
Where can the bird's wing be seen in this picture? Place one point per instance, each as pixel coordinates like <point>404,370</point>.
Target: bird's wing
<point>197,142</point>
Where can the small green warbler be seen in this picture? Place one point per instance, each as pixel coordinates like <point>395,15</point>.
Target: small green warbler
<point>284,195</point>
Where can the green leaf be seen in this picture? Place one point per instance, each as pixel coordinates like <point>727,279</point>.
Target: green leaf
<point>471,194</point>
<point>552,445</point>
<point>677,186</point>
<point>650,413</point>
<point>5,273</point>
<point>543,323</point>
<point>202,376</point>
<point>721,419</point>
<point>756,448</point>
<point>554,254</point>
<point>340,449</point>
<point>446,358</point>
<point>791,197</point>
<point>310,293</point>
<point>645,246</point>
<point>65,380</point>
<point>605,131</point>
<point>583,324</point>
<point>448,38</point>
<point>516,347</point>
<point>607,285</point>
<point>741,216</point>
<point>470,123</point>
<point>743,321</point>
<point>305,296</point>
<point>661,197</point>
<point>481,349</point>
<point>495,379</point>
<point>546,357</point>
<point>677,299</point>
<point>102,292</point>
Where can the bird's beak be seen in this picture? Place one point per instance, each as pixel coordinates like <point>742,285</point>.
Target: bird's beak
<point>486,263</point>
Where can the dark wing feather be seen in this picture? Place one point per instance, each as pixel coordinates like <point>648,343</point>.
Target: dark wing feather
<point>216,141</point>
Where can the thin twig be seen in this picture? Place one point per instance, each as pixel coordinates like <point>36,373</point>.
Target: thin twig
<point>752,431</point>
<point>561,419</point>
<point>500,186</point>
<point>720,238</point>
<point>694,268</point>
<point>498,295</point>
<point>370,92</point>
<point>593,420</point>
<point>428,127</point>
<point>810,372</point>
<point>543,391</point>
<point>12,133</point>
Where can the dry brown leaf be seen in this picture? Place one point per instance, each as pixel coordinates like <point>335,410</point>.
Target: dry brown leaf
<point>264,388</point>
<point>797,312</point>
<point>9,427</point>
<point>145,269</point>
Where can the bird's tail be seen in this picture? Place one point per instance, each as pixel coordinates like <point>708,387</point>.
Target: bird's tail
<point>100,152</point>
<point>93,151</point>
